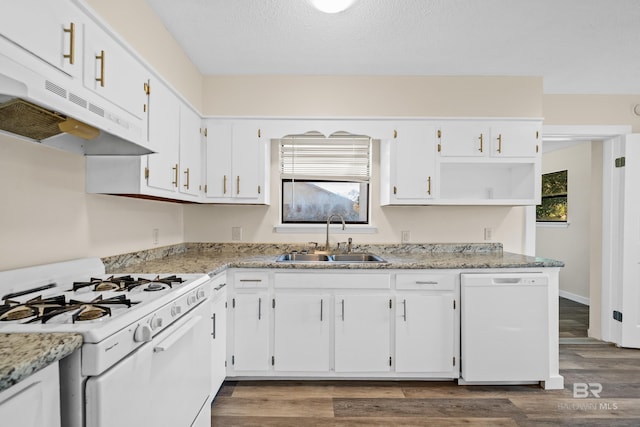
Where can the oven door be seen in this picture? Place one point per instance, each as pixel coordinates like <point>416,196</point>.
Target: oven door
<point>165,382</point>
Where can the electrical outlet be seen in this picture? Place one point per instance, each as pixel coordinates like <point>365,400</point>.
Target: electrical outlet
<point>236,233</point>
<point>405,236</point>
<point>488,233</point>
<point>155,233</point>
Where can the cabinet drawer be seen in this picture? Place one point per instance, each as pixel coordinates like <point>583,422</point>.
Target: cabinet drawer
<point>248,279</point>
<point>333,281</point>
<point>424,281</point>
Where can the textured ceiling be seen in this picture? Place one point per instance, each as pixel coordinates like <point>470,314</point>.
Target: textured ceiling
<point>578,46</point>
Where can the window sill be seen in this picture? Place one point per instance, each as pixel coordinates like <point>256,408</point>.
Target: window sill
<point>336,228</point>
<point>553,224</point>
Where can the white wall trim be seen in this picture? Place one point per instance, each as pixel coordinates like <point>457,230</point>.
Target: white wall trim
<point>573,297</point>
<point>551,224</point>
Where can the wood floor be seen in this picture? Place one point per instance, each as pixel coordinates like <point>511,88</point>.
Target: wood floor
<point>403,403</point>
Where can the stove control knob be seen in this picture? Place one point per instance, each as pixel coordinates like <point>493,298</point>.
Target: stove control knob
<point>156,322</point>
<point>142,334</point>
<point>191,299</point>
<point>200,294</point>
<point>175,310</point>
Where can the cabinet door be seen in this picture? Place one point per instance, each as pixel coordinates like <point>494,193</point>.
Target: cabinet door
<point>50,30</point>
<point>515,139</point>
<point>114,73</point>
<point>250,332</point>
<point>247,161</point>
<point>164,138</point>
<point>218,342</point>
<point>425,333</point>
<point>362,333</point>
<point>413,162</point>
<point>464,139</point>
<point>190,151</point>
<point>218,168</point>
<point>301,340</point>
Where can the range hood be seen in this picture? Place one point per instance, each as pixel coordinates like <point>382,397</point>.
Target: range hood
<point>63,114</point>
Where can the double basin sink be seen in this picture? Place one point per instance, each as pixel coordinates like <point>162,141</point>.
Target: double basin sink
<point>341,258</point>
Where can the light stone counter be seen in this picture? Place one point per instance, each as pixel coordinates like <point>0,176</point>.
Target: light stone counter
<point>24,354</point>
<point>214,258</point>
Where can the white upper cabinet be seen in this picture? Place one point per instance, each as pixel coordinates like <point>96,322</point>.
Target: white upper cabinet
<point>163,169</point>
<point>51,30</point>
<point>515,139</point>
<point>174,171</point>
<point>471,139</point>
<point>462,162</point>
<point>237,167</point>
<point>408,173</point>
<point>489,138</point>
<point>112,72</point>
<point>190,179</point>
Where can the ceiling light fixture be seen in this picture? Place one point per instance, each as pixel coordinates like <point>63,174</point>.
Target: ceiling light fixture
<point>332,6</point>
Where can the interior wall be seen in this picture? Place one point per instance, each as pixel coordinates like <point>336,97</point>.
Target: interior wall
<point>372,96</point>
<point>572,244</point>
<point>591,110</point>
<point>46,216</point>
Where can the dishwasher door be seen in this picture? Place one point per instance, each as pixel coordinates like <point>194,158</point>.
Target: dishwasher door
<point>504,327</point>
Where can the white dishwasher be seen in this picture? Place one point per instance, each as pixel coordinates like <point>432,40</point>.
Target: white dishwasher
<point>504,327</point>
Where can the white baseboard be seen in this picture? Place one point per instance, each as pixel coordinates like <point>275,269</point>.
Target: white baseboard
<point>574,297</point>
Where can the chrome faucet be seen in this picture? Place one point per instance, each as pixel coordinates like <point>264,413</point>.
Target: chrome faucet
<point>326,247</point>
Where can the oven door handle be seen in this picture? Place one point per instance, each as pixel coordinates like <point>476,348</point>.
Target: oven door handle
<point>169,341</point>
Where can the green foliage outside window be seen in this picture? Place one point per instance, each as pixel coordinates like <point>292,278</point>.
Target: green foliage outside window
<point>554,198</point>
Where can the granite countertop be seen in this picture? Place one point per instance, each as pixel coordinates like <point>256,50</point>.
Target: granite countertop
<point>24,354</point>
<point>214,259</point>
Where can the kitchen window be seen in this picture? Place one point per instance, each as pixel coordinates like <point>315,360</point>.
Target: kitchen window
<point>554,198</point>
<point>325,176</point>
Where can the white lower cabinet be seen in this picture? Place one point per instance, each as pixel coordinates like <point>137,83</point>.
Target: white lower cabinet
<point>362,329</point>
<point>218,332</point>
<point>336,324</point>
<point>301,332</point>
<point>34,401</point>
<point>251,331</point>
<point>425,331</point>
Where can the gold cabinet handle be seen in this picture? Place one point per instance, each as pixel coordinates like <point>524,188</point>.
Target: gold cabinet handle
<point>259,189</point>
<point>224,185</point>
<point>395,190</point>
<point>481,142</point>
<point>429,185</point>
<point>186,185</point>
<point>101,58</point>
<point>175,175</point>
<point>71,56</point>
<point>499,143</point>
<point>238,184</point>
<point>395,134</point>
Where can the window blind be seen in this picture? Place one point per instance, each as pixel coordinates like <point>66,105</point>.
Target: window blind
<point>326,159</point>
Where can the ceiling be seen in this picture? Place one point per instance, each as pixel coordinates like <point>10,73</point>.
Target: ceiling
<point>578,46</point>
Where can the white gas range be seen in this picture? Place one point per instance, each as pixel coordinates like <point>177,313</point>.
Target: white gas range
<point>145,359</point>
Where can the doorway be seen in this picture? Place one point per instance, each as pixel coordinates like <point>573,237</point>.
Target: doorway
<point>572,315</point>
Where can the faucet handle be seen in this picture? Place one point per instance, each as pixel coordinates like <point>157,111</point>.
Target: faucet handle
<point>312,246</point>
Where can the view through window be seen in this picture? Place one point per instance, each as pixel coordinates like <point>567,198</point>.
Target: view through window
<point>325,176</point>
<point>554,198</point>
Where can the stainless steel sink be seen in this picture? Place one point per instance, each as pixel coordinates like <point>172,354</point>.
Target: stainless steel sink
<point>342,258</point>
<point>296,257</point>
<point>356,258</point>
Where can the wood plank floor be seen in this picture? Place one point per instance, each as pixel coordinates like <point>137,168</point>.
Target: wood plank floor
<point>444,403</point>
<point>574,319</point>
